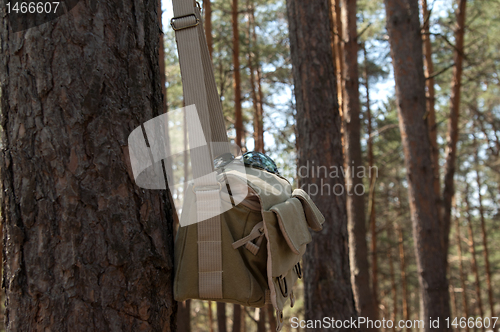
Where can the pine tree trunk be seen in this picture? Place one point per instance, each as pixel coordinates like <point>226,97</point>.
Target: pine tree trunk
<point>485,240</point>
<point>404,282</point>
<point>271,318</point>
<point>406,50</point>
<point>207,9</point>
<point>335,16</point>
<point>431,99</point>
<point>463,277</point>
<point>210,317</point>
<point>261,320</point>
<point>86,249</point>
<point>360,269</point>
<point>221,317</point>
<point>472,250</point>
<point>256,100</point>
<point>184,316</point>
<point>452,136</point>
<point>327,286</point>
<point>373,179</point>
<point>238,126</point>
<point>236,318</point>
<point>394,291</point>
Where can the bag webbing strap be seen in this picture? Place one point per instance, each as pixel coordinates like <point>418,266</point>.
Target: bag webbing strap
<point>200,89</point>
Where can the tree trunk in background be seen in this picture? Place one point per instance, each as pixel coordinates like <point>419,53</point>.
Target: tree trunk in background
<point>327,286</point>
<point>404,282</point>
<point>271,318</point>
<point>472,249</point>
<point>485,238</point>
<point>463,277</point>
<point>184,316</point>
<point>221,317</point>
<point>238,126</point>
<point>207,9</point>
<point>358,252</point>
<point>258,123</point>
<point>394,291</point>
<point>373,179</point>
<point>161,59</point>
<point>335,16</point>
<point>406,50</point>
<point>85,247</point>
<point>431,99</point>
<point>452,136</point>
<point>261,319</point>
<point>210,317</point>
<point>236,318</point>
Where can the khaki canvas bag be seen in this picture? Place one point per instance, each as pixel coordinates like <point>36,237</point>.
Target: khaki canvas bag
<point>250,254</point>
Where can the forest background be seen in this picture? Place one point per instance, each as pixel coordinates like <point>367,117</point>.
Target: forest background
<point>267,88</point>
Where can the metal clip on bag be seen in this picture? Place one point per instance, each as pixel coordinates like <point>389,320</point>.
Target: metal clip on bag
<point>250,254</point>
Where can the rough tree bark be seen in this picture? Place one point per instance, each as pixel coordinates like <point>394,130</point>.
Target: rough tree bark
<point>86,249</point>
<point>472,250</point>
<point>238,125</point>
<point>327,286</point>
<point>358,252</point>
<point>406,50</point>
<point>452,136</point>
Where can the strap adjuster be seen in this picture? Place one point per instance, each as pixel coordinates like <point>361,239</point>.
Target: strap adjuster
<point>189,25</point>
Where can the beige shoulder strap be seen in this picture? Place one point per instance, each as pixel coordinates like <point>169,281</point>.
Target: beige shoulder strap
<point>200,89</point>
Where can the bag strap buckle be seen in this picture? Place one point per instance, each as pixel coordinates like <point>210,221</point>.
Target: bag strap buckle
<point>184,22</point>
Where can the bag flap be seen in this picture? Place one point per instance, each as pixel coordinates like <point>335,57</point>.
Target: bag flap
<point>293,224</point>
<point>314,217</point>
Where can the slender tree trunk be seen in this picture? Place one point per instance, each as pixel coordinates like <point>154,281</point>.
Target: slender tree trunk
<point>327,286</point>
<point>184,316</point>
<point>472,249</point>
<point>454,307</point>
<point>485,240</point>
<point>207,9</point>
<point>463,276</point>
<point>452,136</point>
<point>260,316</point>
<point>257,104</point>
<point>221,317</point>
<point>406,50</point>
<point>335,15</point>
<point>161,59</point>
<point>260,100</point>
<point>85,248</point>
<point>210,317</point>
<point>271,318</point>
<point>238,126</point>
<point>431,99</point>
<point>360,273</point>
<point>394,291</point>
<point>404,281</point>
<point>373,179</point>
<point>236,318</point>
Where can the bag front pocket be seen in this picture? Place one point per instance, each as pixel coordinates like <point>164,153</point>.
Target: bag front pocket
<point>293,224</point>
